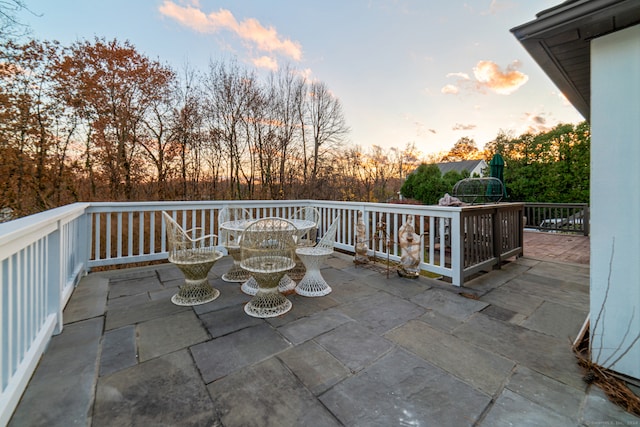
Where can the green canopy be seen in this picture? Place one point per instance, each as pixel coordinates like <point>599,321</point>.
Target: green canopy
<point>496,167</point>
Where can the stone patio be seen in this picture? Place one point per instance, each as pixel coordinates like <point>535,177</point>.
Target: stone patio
<point>377,351</point>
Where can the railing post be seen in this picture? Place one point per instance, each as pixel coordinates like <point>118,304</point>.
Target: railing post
<point>521,225</point>
<point>54,276</point>
<point>86,240</point>
<point>457,252</point>
<point>496,232</point>
<point>585,221</point>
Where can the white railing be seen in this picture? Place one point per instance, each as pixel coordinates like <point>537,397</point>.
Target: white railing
<point>42,257</point>
<point>123,233</point>
<point>558,217</point>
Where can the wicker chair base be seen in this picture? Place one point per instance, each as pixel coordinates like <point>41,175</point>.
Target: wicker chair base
<point>235,274</point>
<point>267,303</point>
<point>196,289</point>
<point>297,272</point>
<point>313,284</point>
<point>250,286</point>
<point>286,285</point>
<point>195,294</point>
<point>313,287</point>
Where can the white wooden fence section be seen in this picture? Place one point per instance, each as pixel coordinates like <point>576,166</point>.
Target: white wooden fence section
<point>42,258</point>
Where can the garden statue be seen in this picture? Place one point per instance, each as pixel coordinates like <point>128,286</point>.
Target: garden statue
<point>361,241</point>
<point>410,249</point>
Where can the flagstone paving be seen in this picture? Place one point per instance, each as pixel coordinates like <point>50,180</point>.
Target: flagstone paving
<point>377,351</point>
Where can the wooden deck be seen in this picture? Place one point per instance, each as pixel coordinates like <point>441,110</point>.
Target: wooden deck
<point>557,247</point>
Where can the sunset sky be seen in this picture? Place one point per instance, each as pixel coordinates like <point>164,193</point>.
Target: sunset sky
<point>406,71</point>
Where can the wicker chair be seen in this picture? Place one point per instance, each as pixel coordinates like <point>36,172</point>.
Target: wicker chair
<point>267,249</point>
<point>230,239</point>
<point>194,257</point>
<point>313,284</point>
<point>307,238</point>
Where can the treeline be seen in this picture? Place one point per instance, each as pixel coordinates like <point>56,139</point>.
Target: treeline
<point>99,121</point>
<point>549,167</point>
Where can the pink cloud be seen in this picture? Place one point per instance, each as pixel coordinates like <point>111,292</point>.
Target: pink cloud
<point>490,76</point>
<point>266,62</point>
<point>250,31</point>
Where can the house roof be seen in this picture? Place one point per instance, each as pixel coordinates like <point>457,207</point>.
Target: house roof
<point>558,40</point>
<point>468,165</point>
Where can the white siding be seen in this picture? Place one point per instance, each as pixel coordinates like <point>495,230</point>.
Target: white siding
<point>615,200</point>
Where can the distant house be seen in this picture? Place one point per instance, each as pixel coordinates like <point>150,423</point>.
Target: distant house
<point>472,166</point>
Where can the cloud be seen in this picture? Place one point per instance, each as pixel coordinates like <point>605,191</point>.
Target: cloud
<point>497,6</point>
<point>266,62</point>
<point>563,98</point>
<point>535,123</point>
<point>450,89</point>
<point>539,120</point>
<point>305,74</point>
<point>460,126</point>
<point>490,76</point>
<point>463,76</point>
<point>250,31</point>
<point>422,130</point>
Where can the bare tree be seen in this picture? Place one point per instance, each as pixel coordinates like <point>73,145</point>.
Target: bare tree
<point>229,93</point>
<point>10,25</point>
<point>155,137</point>
<point>186,127</point>
<point>356,185</point>
<point>327,123</point>
<point>287,90</point>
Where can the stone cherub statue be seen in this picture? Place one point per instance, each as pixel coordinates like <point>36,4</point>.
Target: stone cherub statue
<point>361,256</point>
<point>409,249</point>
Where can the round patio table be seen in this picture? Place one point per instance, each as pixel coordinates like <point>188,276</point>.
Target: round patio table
<point>249,285</point>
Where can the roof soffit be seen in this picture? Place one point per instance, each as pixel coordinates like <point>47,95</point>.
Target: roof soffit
<point>558,40</point>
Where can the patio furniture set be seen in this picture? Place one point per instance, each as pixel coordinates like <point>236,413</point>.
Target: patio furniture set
<point>269,256</point>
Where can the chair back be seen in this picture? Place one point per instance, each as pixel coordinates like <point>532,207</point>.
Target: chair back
<point>268,244</point>
<point>308,213</point>
<point>231,213</point>
<point>181,245</point>
<point>177,239</point>
<point>328,240</point>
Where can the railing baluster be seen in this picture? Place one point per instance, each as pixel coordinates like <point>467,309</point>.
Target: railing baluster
<point>97,247</point>
<point>141,229</point>
<point>129,233</point>
<point>12,282</point>
<point>561,217</point>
